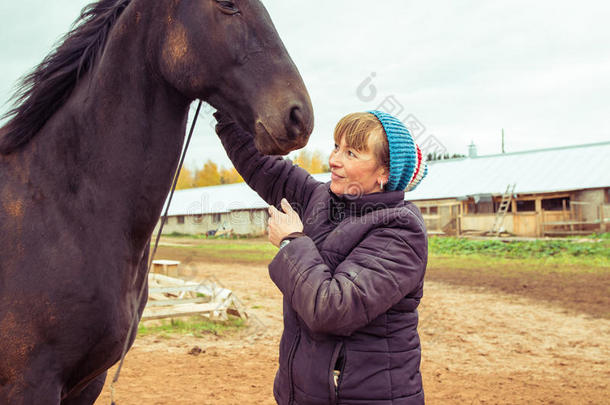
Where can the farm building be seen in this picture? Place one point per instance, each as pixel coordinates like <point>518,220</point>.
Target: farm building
<point>546,192</point>
<point>233,208</point>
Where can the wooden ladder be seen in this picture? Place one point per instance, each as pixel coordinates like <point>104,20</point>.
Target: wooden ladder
<point>502,210</point>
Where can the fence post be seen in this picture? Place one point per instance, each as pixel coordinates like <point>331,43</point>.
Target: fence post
<point>459,220</point>
<point>602,224</point>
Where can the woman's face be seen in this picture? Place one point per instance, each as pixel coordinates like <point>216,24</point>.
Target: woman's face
<point>355,172</point>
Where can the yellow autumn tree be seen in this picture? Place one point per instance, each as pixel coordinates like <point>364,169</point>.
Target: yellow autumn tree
<point>208,175</point>
<point>185,179</point>
<point>230,176</point>
<point>212,175</point>
<point>316,164</point>
<point>313,162</point>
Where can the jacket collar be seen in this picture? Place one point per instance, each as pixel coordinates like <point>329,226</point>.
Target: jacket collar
<point>342,206</point>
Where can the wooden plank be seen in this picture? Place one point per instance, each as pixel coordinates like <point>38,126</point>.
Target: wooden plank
<point>180,310</point>
<point>168,302</point>
<point>166,262</point>
<point>177,289</point>
<point>171,314</point>
<point>594,222</point>
<point>567,232</point>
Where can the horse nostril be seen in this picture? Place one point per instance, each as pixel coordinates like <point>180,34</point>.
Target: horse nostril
<point>296,116</point>
<point>297,124</point>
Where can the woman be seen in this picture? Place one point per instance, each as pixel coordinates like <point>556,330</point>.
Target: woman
<point>350,266</point>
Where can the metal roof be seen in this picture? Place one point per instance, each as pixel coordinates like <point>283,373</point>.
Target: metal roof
<point>536,171</point>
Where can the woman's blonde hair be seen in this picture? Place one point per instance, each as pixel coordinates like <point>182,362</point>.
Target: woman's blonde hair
<point>357,128</point>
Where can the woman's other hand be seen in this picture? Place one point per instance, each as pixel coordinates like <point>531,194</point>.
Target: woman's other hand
<point>282,224</point>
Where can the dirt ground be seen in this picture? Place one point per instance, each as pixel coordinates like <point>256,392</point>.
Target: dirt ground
<point>480,345</point>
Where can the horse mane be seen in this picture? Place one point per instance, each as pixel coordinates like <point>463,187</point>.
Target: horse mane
<point>42,92</point>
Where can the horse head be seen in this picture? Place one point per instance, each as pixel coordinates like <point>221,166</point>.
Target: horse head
<point>229,54</point>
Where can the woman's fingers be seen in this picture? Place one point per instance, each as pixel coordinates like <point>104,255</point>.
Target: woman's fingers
<point>289,210</point>
<point>286,206</point>
<point>273,211</point>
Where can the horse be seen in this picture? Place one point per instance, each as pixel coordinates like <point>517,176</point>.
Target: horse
<point>87,158</point>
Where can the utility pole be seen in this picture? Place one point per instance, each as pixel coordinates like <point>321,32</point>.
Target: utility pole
<point>503,140</point>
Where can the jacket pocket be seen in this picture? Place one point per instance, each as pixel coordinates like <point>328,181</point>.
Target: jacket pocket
<point>337,365</point>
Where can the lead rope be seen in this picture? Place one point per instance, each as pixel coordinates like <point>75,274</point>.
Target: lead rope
<point>134,321</point>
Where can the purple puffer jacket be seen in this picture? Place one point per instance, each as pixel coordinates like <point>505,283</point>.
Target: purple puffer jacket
<point>351,286</point>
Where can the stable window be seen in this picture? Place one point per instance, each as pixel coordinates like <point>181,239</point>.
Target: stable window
<point>481,204</point>
<point>556,204</point>
<point>485,208</point>
<point>216,218</point>
<point>433,210</point>
<point>481,208</point>
<point>527,205</point>
<point>471,208</point>
<point>180,219</point>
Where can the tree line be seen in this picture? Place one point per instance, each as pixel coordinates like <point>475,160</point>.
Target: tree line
<point>446,156</point>
<point>211,174</point>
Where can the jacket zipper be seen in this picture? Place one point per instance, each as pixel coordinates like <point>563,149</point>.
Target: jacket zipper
<point>340,377</point>
<point>290,361</point>
<point>340,350</point>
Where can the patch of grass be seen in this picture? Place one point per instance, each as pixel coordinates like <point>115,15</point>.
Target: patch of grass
<point>242,251</point>
<point>247,251</point>
<point>605,235</point>
<point>595,253</point>
<point>591,252</point>
<point>195,326</point>
<point>205,237</point>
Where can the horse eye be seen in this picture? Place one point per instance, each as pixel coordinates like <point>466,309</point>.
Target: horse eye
<point>227,6</point>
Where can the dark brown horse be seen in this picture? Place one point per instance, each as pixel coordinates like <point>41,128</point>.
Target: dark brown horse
<point>86,162</point>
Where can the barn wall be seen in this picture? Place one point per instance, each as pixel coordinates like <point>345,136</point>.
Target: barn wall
<point>249,222</point>
<point>484,222</point>
<point>440,216</point>
<point>243,222</point>
<point>595,198</point>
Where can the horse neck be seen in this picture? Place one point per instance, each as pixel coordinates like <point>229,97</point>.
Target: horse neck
<point>119,135</point>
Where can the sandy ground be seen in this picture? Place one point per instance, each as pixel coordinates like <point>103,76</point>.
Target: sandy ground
<point>479,347</point>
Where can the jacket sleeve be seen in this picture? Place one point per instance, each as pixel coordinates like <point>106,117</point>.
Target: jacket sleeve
<point>272,177</point>
<point>375,276</point>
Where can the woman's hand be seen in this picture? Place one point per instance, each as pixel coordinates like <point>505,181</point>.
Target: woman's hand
<point>282,224</point>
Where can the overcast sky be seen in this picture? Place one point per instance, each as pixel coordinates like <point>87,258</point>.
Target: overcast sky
<point>462,70</point>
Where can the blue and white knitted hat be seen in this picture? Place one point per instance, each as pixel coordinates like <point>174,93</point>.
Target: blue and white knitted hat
<point>407,164</point>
